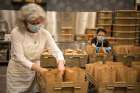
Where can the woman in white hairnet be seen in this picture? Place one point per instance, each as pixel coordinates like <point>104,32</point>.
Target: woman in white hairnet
<point>28,42</point>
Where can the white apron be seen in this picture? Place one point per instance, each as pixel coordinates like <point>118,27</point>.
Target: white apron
<point>19,78</point>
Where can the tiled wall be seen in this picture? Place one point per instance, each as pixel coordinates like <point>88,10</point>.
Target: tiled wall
<point>81,5</point>
<point>89,5</point>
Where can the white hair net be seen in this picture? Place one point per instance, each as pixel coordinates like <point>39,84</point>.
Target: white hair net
<point>32,11</point>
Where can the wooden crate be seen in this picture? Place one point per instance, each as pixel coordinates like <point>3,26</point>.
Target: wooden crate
<point>48,61</point>
<point>67,87</point>
<point>119,87</point>
<point>49,82</point>
<point>71,60</point>
<point>76,60</point>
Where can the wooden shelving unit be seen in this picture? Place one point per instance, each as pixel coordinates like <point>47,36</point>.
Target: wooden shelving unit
<point>138,29</point>
<point>125,26</point>
<point>66,34</point>
<point>104,19</point>
<point>66,26</point>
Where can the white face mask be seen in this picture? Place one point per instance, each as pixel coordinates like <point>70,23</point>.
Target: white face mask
<point>100,38</point>
<point>34,28</point>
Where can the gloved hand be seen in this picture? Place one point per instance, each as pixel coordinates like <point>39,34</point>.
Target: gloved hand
<point>108,49</point>
<point>97,49</point>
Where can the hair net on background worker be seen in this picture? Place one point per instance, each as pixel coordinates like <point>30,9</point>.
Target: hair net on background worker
<point>31,11</point>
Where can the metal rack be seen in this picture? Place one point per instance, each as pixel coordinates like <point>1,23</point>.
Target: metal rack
<point>4,52</point>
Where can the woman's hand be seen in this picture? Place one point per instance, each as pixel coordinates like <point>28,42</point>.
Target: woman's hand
<point>61,66</point>
<point>38,69</point>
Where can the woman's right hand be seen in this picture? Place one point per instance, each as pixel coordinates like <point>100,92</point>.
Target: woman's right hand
<point>38,69</point>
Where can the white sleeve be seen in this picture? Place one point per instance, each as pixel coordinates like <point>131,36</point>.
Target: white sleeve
<point>17,49</point>
<point>53,48</point>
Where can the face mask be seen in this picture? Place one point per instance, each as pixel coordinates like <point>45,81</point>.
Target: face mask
<point>34,28</point>
<point>100,38</point>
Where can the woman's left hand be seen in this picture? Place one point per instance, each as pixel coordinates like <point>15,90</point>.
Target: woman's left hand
<point>61,66</point>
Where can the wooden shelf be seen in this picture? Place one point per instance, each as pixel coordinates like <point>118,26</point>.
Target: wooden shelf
<point>66,28</point>
<point>126,31</point>
<point>65,35</point>
<point>124,11</point>
<point>120,38</point>
<point>126,24</point>
<point>105,11</point>
<point>104,24</point>
<point>105,18</point>
<point>90,28</point>
<point>127,18</point>
<point>118,24</point>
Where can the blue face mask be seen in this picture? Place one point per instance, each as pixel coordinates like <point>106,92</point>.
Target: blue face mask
<point>34,28</point>
<point>101,38</point>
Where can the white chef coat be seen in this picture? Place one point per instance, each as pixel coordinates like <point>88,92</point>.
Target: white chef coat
<point>26,49</point>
